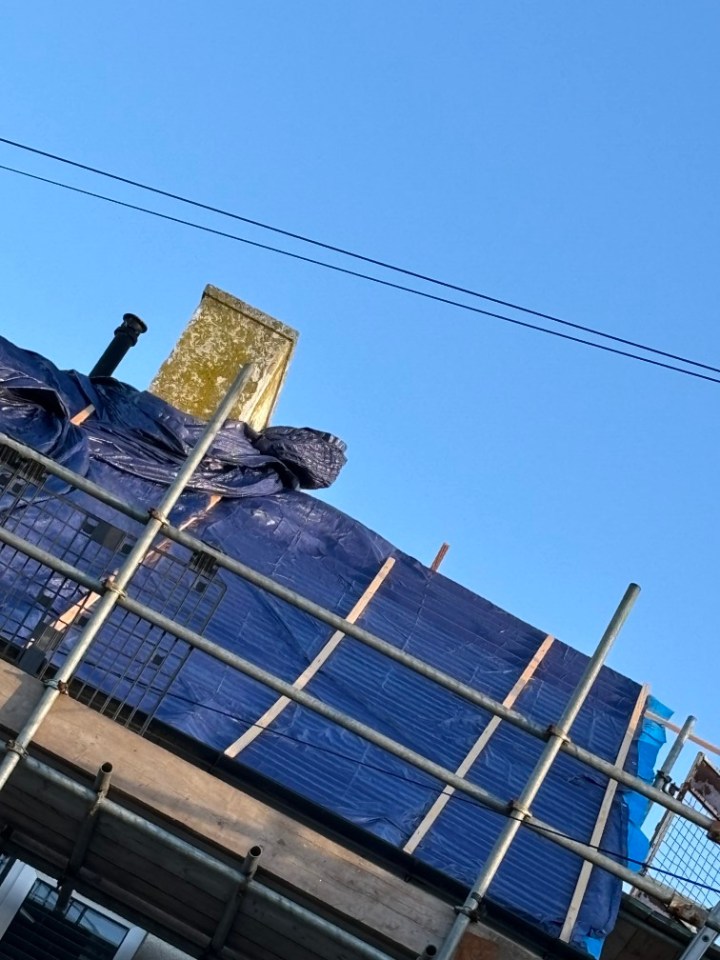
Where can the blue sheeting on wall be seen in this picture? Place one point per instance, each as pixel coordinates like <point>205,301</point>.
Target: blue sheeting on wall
<point>133,445</point>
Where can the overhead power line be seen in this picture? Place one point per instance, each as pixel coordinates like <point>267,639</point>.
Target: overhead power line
<point>365,276</point>
<point>405,271</point>
<point>354,255</point>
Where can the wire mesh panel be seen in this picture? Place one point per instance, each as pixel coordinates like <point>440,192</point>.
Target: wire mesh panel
<point>131,664</point>
<point>682,854</point>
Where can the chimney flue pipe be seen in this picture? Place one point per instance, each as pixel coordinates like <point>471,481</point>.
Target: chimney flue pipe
<point>126,336</point>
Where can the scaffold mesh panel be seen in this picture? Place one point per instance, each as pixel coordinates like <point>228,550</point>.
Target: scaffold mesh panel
<point>683,855</point>
<point>132,664</point>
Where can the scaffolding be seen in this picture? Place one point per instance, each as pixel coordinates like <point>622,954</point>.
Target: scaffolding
<point>107,596</point>
<point>680,847</point>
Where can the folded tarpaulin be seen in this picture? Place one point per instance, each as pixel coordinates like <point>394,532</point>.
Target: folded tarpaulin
<point>244,501</point>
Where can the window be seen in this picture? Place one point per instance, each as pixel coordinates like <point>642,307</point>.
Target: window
<point>32,928</point>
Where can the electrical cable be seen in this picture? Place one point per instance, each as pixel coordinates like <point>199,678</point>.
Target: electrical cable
<point>456,797</point>
<point>354,255</point>
<point>363,276</point>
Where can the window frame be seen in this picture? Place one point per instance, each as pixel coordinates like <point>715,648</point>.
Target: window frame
<point>18,883</point>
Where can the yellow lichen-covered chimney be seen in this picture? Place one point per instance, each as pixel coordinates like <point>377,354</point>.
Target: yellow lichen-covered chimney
<point>223,334</point>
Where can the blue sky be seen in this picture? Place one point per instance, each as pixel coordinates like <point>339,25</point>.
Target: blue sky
<point>561,155</point>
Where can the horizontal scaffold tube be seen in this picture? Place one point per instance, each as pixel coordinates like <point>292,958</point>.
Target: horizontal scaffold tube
<point>649,886</point>
<point>358,633</point>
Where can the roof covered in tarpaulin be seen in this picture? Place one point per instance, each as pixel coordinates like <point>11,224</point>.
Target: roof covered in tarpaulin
<point>245,501</point>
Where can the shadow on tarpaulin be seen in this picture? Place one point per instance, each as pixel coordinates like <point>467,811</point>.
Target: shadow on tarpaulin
<point>133,445</point>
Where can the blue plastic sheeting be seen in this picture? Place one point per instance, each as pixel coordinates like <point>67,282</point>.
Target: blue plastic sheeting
<point>650,740</point>
<point>649,744</point>
<point>133,445</point>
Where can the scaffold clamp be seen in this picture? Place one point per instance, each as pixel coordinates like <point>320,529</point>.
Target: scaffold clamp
<point>109,584</point>
<point>554,731</point>
<point>12,746</point>
<point>156,514</point>
<point>516,811</point>
<point>471,911</point>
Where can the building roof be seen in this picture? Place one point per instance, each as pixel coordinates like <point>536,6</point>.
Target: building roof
<point>240,503</point>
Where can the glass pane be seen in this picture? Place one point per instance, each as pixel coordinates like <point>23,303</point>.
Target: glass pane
<point>79,932</point>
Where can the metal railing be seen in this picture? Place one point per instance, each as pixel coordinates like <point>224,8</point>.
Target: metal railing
<point>75,640</point>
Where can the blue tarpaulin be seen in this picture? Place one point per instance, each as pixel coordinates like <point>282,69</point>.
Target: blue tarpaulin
<point>133,444</point>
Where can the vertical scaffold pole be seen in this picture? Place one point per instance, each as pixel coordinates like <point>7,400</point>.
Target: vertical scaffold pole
<point>663,778</point>
<point>520,808</point>
<point>115,586</point>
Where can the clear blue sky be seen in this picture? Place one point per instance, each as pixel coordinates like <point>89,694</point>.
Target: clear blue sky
<point>563,155</point>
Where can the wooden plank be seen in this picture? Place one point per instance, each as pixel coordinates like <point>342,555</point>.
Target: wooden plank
<point>602,817</point>
<point>179,889</point>
<point>322,945</point>
<point>144,913</point>
<point>67,618</point>
<point>283,937</point>
<point>157,859</point>
<point>82,415</point>
<point>33,796</point>
<point>109,892</point>
<point>439,805</point>
<point>439,557</point>
<point>252,951</point>
<point>112,864</point>
<point>53,831</point>
<point>705,744</point>
<point>195,804</point>
<point>309,672</point>
<point>134,857</point>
